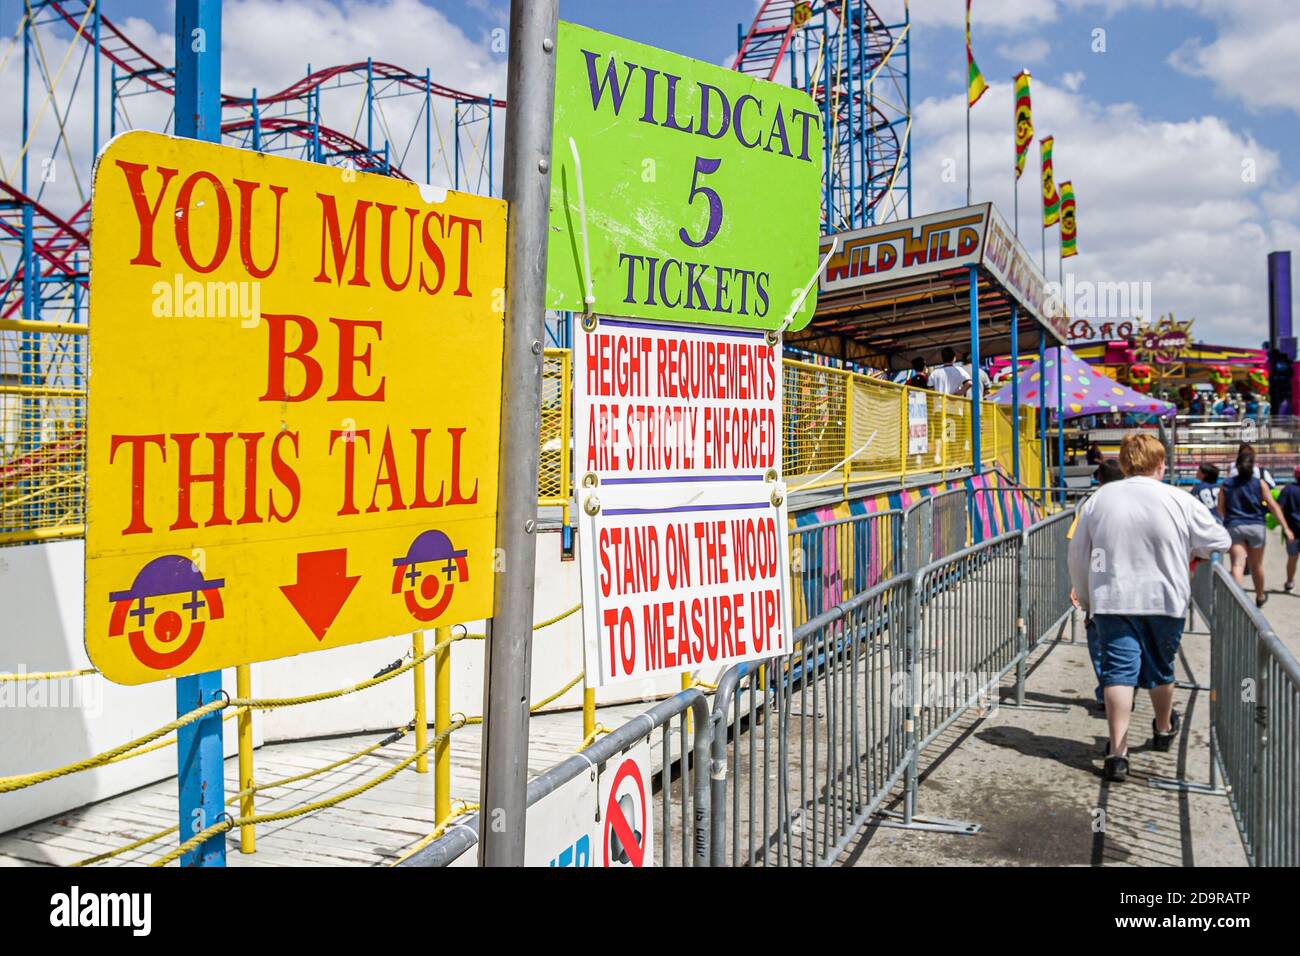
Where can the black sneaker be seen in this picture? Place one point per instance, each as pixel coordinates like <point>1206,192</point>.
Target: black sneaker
<point>1163,742</point>
<point>1116,768</point>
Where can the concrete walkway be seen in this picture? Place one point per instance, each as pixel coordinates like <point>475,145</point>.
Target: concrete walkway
<point>1032,779</point>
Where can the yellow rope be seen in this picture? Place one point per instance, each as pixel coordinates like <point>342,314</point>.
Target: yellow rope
<point>285,781</point>
<point>272,703</point>
<point>46,675</point>
<point>128,848</point>
<point>460,808</point>
<point>590,739</point>
<point>9,784</point>
<point>559,617</point>
<point>557,695</point>
<point>228,824</point>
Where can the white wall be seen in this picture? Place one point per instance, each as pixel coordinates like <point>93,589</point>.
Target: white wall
<point>41,630</point>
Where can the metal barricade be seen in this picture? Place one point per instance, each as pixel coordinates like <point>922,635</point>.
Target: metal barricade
<point>936,526</point>
<point>808,746</point>
<point>682,782</point>
<point>833,560</point>
<point>1254,720</point>
<point>815,739</point>
<point>1046,596</point>
<point>966,637</point>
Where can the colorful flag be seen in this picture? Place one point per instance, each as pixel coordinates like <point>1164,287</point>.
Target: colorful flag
<point>1051,201</point>
<point>1069,237</point>
<point>975,85</point>
<point>1024,121</point>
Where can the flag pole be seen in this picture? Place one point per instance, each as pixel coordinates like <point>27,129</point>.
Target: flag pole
<point>968,147</point>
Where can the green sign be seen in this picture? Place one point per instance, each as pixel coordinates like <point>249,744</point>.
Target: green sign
<point>701,187</point>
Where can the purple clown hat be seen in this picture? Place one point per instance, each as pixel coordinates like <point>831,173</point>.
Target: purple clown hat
<point>429,546</point>
<point>169,574</point>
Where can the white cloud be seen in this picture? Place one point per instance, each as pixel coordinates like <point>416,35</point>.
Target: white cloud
<point>1032,49</point>
<point>1073,81</point>
<point>1158,202</point>
<point>1013,15</point>
<point>1256,56</point>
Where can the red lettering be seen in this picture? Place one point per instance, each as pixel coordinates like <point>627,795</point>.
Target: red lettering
<point>137,443</point>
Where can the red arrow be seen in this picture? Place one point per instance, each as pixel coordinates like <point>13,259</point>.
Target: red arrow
<point>323,587</point>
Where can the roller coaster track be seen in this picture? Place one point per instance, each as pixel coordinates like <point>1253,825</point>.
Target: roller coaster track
<point>121,50</point>
<point>846,99</point>
<point>56,241</point>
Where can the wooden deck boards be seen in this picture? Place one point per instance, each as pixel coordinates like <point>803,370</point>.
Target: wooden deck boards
<point>371,829</point>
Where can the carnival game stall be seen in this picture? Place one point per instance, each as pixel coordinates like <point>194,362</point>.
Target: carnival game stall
<point>1107,407</point>
<point>1221,383</point>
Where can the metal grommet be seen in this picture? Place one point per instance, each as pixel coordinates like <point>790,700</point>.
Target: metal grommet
<point>589,322</point>
<point>463,629</point>
<point>591,480</point>
<point>777,499</point>
<point>772,338</point>
<point>591,505</point>
<point>227,819</point>
<point>770,475</point>
<point>223,695</point>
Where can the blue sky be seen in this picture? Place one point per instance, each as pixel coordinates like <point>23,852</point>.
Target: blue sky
<point>1177,137</point>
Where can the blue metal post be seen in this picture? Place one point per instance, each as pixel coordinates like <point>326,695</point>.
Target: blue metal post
<point>1042,409</point>
<point>199,749</point>
<point>428,127</point>
<point>95,118</point>
<point>370,103</point>
<point>1015,392</point>
<point>1060,420</point>
<point>27,58</point>
<point>455,146</point>
<point>257,124</point>
<point>976,423</point>
<point>1015,402</point>
<point>29,413</point>
<point>489,145</point>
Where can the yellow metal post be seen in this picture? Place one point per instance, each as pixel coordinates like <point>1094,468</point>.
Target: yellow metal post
<point>441,724</point>
<point>588,710</point>
<point>904,427</point>
<point>244,690</point>
<point>688,679</point>
<point>421,704</point>
<point>943,434</point>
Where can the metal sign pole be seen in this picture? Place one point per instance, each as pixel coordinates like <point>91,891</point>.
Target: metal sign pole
<point>508,664</point>
<point>199,750</point>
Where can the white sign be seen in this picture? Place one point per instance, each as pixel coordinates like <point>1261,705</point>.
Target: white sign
<point>682,517</point>
<point>626,829</point>
<point>918,424</point>
<point>599,818</point>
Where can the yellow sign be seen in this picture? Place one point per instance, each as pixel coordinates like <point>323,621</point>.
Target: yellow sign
<point>294,407</point>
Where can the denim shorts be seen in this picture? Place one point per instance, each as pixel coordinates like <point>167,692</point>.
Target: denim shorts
<point>1293,547</point>
<point>1137,650</point>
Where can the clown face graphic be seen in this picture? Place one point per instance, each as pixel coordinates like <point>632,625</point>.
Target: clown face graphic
<point>427,575</point>
<point>164,612</point>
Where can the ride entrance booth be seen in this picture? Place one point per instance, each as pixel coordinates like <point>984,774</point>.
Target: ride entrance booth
<point>958,279</point>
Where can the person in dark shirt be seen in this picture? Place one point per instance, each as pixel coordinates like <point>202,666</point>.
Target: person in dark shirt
<point>1095,456</point>
<point>920,374</point>
<point>1206,489</point>
<point>1289,501</point>
<point>1244,501</point>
